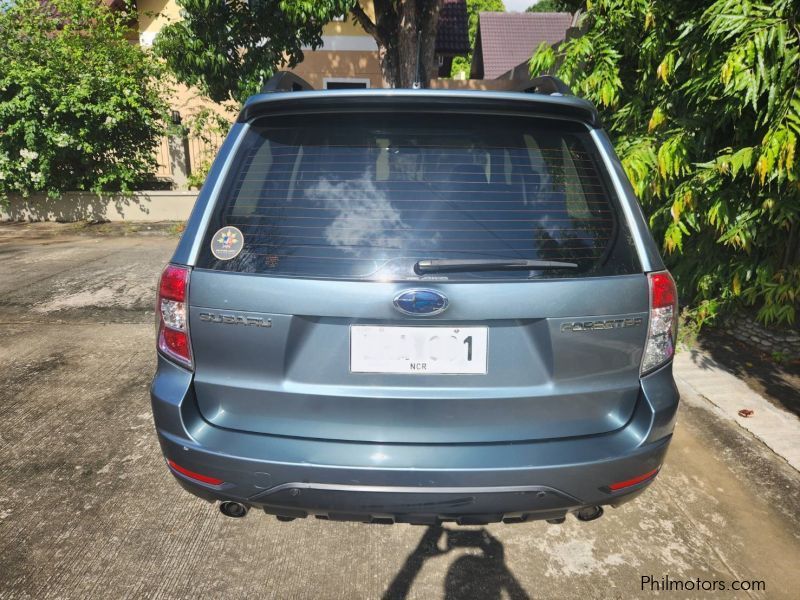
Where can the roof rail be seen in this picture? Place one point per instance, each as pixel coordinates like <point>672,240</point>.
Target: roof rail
<point>546,84</point>
<point>284,81</point>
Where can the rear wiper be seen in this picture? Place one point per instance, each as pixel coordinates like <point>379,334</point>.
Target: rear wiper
<point>441,265</point>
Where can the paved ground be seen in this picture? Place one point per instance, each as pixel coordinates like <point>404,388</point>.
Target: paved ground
<point>88,510</point>
<point>777,382</point>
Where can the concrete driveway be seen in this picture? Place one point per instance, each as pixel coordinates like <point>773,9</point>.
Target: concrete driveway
<point>88,509</point>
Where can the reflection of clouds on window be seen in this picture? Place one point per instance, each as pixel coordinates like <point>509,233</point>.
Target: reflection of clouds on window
<point>365,218</point>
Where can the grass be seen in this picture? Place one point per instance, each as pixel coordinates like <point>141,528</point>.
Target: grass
<point>177,228</point>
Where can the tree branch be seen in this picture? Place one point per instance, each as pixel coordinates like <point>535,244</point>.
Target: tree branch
<point>365,22</point>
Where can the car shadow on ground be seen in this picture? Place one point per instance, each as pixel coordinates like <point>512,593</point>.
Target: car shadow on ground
<point>482,575</point>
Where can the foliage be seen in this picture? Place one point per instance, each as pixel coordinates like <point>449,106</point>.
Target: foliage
<point>80,106</point>
<point>229,48</point>
<point>474,9</point>
<point>208,127</point>
<point>543,6</point>
<point>702,102</point>
<point>555,6</point>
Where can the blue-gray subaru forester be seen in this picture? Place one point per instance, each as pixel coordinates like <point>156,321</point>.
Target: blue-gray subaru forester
<point>416,306</point>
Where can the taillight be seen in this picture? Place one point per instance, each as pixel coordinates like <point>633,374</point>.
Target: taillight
<point>663,329</point>
<point>173,315</point>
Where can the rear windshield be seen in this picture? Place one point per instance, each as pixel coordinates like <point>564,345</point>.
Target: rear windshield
<point>368,196</point>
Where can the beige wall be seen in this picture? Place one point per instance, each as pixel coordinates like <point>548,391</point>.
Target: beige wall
<point>154,14</point>
<point>79,206</point>
<point>474,84</point>
<point>188,100</point>
<point>341,65</point>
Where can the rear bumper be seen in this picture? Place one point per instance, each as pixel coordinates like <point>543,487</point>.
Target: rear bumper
<point>416,483</point>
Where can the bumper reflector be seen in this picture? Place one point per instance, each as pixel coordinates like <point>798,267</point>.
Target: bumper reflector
<point>630,482</point>
<point>192,475</point>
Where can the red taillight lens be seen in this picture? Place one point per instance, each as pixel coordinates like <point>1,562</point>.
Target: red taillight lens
<point>172,310</point>
<point>633,481</point>
<point>177,342</point>
<point>174,282</point>
<point>662,290</point>
<point>193,475</point>
<point>663,322</point>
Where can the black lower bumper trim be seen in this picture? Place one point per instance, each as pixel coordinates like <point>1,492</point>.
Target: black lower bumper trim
<point>415,505</point>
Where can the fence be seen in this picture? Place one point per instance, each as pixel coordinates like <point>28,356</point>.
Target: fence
<point>162,156</point>
<point>203,149</point>
<point>199,150</point>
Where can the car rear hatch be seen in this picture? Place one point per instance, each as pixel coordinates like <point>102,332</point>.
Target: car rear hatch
<point>417,277</point>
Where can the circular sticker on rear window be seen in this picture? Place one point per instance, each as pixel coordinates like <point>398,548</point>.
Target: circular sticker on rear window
<point>227,243</point>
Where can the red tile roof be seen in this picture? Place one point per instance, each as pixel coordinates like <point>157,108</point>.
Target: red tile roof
<point>504,40</point>
<point>452,37</point>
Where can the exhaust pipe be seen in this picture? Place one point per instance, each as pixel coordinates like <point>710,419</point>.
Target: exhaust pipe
<point>589,513</point>
<point>237,510</point>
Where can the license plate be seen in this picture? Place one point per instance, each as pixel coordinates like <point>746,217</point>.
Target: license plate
<point>418,350</point>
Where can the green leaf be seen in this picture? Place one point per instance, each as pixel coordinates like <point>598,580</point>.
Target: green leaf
<point>702,101</point>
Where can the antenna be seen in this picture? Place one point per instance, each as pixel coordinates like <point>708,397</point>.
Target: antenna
<point>417,80</point>
<point>545,84</point>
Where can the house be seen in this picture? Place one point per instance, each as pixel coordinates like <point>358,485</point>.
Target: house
<point>348,57</point>
<point>505,42</point>
<point>452,36</point>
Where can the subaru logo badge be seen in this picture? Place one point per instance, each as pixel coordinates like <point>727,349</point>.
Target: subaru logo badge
<point>421,302</point>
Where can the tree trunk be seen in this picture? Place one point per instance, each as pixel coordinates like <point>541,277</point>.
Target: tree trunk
<point>405,32</point>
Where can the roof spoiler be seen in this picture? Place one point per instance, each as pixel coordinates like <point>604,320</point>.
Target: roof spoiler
<point>546,95</point>
<point>284,81</point>
<point>545,84</point>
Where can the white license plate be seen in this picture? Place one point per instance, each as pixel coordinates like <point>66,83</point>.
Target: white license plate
<point>418,350</point>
